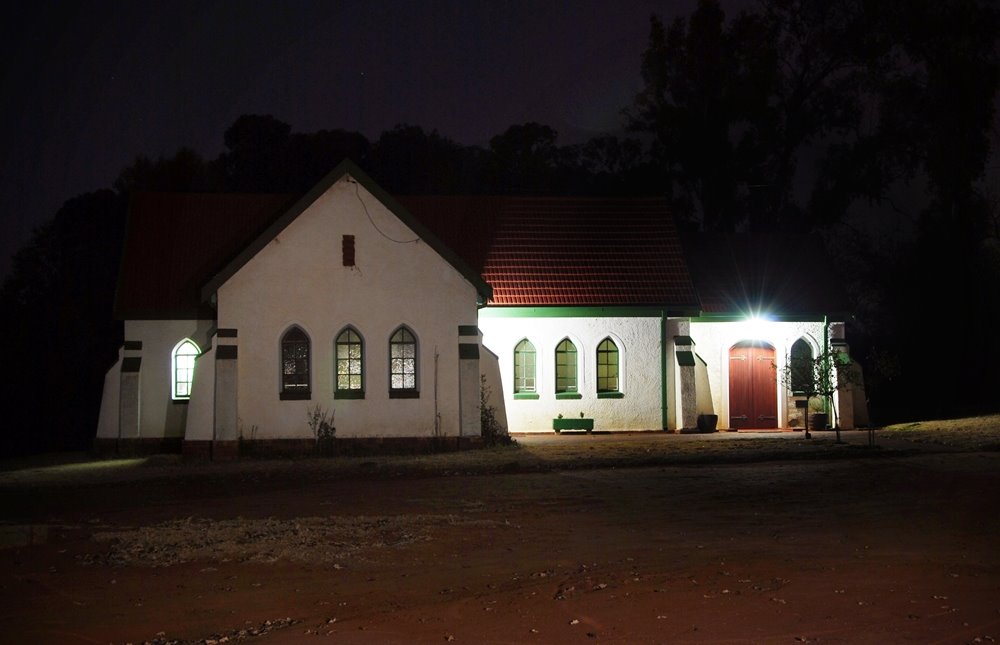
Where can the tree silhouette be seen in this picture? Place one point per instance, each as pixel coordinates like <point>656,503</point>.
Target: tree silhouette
<point>60,335</point>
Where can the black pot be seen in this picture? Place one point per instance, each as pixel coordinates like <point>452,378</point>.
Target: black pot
<point>707,422</point>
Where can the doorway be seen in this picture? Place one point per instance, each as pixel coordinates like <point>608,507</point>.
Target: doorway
<point>753,386</point>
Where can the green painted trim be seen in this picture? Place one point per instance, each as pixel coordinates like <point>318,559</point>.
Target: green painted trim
<point>467,351</point>
<point>226,333</point>
<point>739,317</point>
<point>579,312</point>
<point>610,395</point>
<point>404,394</point>
<point>663,372</point>
<point>348,394</point>
<point>703,361</point>
<point>468,330</point>
<point>568,395</point>
<point>131,364</point>
<point>295,395</point>
<point>685,358</point>
<point>683,340</point>
<point>572,424</point>
<point>133,345</point>
<point>525,396</point>
<point>223,352</point>
<point>345,168</point>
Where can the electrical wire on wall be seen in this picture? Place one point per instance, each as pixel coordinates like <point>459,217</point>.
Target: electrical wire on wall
<point>357,194</point>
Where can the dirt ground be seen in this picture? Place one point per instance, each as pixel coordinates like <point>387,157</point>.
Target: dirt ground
<point>902,547</point>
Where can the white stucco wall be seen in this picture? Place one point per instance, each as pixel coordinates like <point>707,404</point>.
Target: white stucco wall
<point>489,366</point>
<point>638,341</point>
<point>713,341</point>
<point>107,421</point>
<point>299,279</point>
<point>201,408</point>
<point>159,415</point>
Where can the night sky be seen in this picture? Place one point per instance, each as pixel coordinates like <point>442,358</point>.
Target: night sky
<point>88,86</point>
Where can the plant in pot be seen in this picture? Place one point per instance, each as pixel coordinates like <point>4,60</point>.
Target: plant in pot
<point>817,378</point>
<point>818,419</point>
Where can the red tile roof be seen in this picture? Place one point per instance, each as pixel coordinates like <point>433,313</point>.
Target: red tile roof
<point>175,242</point>
<point>560,251</point>
<point>532,251</point>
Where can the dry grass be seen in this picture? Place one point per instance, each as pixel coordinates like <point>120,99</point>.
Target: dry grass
<point>971,433</point>
<point>328,540</point>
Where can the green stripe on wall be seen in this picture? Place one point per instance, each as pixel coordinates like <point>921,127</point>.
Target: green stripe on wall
<point>578,312</point>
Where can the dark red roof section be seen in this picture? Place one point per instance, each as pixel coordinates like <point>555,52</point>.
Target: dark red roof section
<point>771,274</point>
<point>561,251</point>
<point>532,251</point>
<point>176,241</point>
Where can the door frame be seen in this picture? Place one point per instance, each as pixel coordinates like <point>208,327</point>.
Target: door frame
<point>781,420</point>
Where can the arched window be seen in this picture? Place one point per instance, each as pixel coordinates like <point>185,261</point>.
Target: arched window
<point>294,364</point>
<point>524,368</point>
<point>566,377</point>
<point>403,365</point>
<point>607,366</point>
<point>350,365</point>
<point>801,367</point>
<point>182,369</point>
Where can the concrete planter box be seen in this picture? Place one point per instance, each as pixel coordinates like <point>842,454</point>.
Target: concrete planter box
<point>572,424</point>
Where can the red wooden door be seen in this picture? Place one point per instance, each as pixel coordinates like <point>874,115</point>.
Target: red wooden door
<point>753,386</point>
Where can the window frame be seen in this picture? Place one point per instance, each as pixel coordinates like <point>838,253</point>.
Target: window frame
<point>174,368</point>
<point>603,360</point>
<point>290,391</point>
<point>800,373</point>
<point>414,360</point>
<point>348,392</point>
<point>523,349</point>
<point>570,388</point>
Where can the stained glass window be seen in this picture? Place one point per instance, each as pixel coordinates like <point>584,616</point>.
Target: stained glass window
<point>403,363</point>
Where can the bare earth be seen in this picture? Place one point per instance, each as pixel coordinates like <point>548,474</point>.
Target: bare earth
<point>848,545</point>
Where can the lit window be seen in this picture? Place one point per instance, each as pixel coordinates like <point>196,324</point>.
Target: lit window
<point>801,363</point>
<point>566,367</point>
<point>350,362</point>
<point>182,368</point>
<point>524,367</point>
<point>607,366</point>
<point>295,364</point>
<point>403,364</point>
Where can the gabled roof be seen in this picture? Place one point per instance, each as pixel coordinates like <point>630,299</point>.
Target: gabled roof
<point>517,251</point>
<point>566,251</point>
<point>781,275</point>
<point>344,168</point>
<point>175,241</point>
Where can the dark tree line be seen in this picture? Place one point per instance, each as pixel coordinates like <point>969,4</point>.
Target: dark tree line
<point>56,303</point>
<point>797,115</point>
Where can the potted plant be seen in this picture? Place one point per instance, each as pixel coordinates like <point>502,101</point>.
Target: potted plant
<point>817,379</point>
